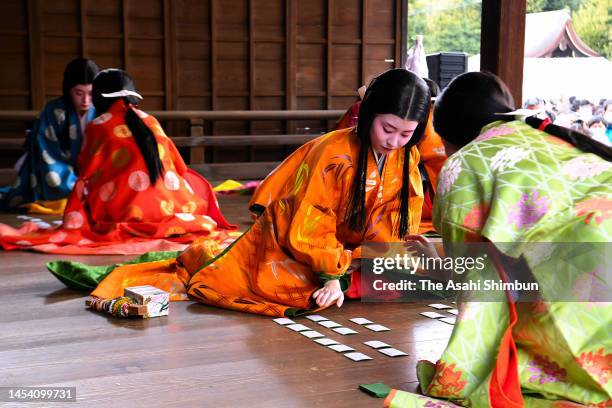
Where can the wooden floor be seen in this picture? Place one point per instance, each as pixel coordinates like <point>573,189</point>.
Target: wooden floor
<point>198,355</point>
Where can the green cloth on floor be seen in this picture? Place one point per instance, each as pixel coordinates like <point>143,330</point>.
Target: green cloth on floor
<point>80,276</point>
<point>378,390</point>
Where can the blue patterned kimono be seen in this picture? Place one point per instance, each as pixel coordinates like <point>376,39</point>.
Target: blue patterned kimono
<point>47,171</point>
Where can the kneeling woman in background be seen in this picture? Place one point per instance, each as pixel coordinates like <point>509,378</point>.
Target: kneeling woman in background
<point>45,173</point>
<point>134,192</point>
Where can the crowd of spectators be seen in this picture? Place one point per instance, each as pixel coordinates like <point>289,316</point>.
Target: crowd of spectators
<point>592,119</point>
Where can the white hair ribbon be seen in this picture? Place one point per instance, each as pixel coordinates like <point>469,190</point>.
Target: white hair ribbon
<point>123,92</point>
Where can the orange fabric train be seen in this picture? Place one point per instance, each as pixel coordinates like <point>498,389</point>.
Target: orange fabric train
<point>113,207</point>
<point>299,240</point>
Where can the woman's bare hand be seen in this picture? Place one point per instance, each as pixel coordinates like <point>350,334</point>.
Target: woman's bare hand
<point>329,294</point>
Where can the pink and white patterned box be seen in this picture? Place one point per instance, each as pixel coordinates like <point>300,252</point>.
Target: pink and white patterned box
<point>156,300</point>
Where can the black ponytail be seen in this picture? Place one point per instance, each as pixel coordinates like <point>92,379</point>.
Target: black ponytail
<point>577,139</point>
<point>404,220</point>
<point>356,213</point>
<point>145,139</point>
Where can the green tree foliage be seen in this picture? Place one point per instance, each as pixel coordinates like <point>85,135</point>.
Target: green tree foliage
<point>447,25</point>
<point>592,23</point>
<point>550,5</point>
<point>535,6</point>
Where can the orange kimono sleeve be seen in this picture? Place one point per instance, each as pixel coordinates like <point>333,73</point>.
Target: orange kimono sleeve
<point>312,240</point>
<point>311,233</point>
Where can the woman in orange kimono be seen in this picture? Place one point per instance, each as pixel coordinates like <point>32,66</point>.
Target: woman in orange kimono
<point>335,193</point>
<point>134,193</point>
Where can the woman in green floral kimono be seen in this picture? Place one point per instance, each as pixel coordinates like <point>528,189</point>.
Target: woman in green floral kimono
<point>514,184</point>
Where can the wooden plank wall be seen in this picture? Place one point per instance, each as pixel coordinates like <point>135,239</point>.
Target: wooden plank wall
<point>502,42</point>
<point>205,55</point>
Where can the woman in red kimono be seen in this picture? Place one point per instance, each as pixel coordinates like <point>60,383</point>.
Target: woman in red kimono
<point>134,192</point>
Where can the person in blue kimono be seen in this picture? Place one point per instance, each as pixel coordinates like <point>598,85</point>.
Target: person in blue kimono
<point>46,172</point>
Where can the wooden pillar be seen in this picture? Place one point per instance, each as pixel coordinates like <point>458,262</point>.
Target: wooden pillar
<point>169,56</point>
<point>83,28</point>
<point>196,129</point>
<point>213,80</point>
<point>290,60</point>
<point>213,57</point>
<point>251,21</point>
<point>36,56</point>
<point>364,36</point>
<point>502,42</point>
<point>401,32</point>
<point>126,31</point>
<point>329,49</point>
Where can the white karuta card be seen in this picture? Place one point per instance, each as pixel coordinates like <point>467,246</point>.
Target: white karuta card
<point>360,320</point>
<point>376,344</point>
<point>377,327</point>
<point>453,312</point>
<point>448,320</point>
<point>316,318</point>
<point>392,352</point>
<point>326,342</point>
<point>432,315</point>
<point>344,330</point>
<point>329,324</point>
<point>283,321</point>
<point>340,348</point>
<point>311,334</point>
<point>357,356</point>
<point>439,306</point>
<point>297,327</point>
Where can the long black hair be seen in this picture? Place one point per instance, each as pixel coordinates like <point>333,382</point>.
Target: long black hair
<point>434,88</point>
<point>401,93</point>
<point>114,80</point>
<point>475,99</point>
<point>79,71</point>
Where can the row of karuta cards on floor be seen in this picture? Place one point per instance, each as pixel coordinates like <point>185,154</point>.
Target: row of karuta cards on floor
<point>352,354</point>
